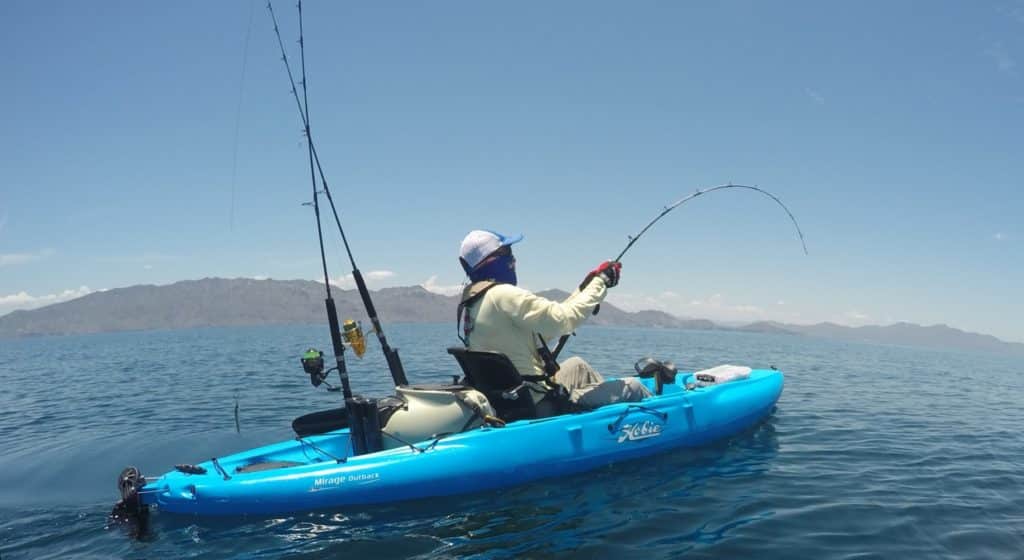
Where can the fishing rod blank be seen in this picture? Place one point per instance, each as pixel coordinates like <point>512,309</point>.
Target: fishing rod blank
<point>390,354</point>
<point>634,238</point>
<point>332,312</point>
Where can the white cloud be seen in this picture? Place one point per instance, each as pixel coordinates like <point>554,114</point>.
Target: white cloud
<point>999,236</point>
<point>431,285</point>
<point>856,316</point>
<point>1004,62</point>
<point>714,307</point>
<point>347,282</point>
<point>780,302</point>
<point>20,298</point>
<point>24,300</point>
<point>11,259</point>
<point>815,96</point>
<point>636,302</point>
<point>714,300</point>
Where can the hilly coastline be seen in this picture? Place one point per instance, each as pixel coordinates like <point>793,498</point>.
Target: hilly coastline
<point>212,302</point>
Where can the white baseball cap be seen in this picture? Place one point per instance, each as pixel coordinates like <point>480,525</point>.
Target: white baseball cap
<point>480,243</point>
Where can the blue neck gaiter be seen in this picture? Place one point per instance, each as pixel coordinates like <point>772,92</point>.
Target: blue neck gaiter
<point>502,269</point>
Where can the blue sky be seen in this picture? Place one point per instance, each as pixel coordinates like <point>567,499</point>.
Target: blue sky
<point>147,142</point>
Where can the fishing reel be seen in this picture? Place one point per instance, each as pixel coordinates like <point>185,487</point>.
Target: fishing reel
<point>352,331</point>
<point>662,372</point>
<point>313,359</point>
<point>313,364</point>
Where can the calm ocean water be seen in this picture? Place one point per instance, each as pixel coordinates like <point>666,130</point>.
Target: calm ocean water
<point>873,452</point>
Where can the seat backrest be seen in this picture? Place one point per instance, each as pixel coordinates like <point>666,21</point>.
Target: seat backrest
<point>494,375</point>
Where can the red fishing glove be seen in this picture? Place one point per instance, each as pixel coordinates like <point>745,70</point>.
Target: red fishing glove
<point>608,270</point>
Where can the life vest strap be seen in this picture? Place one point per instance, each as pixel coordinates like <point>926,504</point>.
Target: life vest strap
<point>473,293</point>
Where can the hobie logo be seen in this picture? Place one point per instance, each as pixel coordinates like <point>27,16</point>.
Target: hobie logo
<point>640,430</point>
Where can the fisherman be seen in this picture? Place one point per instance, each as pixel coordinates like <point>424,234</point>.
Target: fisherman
<point>498,316</point>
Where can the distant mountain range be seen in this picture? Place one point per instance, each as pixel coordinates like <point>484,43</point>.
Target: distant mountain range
<point>241,301</point>
<point>903,334</point>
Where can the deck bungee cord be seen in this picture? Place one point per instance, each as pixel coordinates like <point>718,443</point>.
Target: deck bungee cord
<point>314,446</point>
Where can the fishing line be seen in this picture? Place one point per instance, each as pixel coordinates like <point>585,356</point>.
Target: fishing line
<point>238,117</point>
<point>238,424</point>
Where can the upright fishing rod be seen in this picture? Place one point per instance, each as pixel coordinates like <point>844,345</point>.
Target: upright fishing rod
<point>390,354</point>
<point>332,312</point>
<point>634,238</point>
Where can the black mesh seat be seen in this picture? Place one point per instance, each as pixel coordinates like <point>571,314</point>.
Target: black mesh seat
<point>493,374</point>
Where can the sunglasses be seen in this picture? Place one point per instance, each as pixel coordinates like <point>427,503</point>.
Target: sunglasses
<point>504,251</point>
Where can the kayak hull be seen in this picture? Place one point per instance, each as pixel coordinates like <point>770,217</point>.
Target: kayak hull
<point>318,472</point>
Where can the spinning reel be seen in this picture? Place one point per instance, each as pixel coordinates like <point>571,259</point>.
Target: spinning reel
<point>313,364</point>
<point>313,359</point>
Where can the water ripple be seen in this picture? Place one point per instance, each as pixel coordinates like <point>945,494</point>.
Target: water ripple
<point>873,452</point>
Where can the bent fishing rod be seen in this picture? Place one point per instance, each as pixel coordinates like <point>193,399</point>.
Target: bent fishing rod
<point>390,354</point>
<point>634,238</point>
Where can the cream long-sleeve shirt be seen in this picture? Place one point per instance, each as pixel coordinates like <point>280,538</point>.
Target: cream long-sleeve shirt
<point>507,317</point>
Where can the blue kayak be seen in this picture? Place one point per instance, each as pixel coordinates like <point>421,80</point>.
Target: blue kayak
<point>321,472</point>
